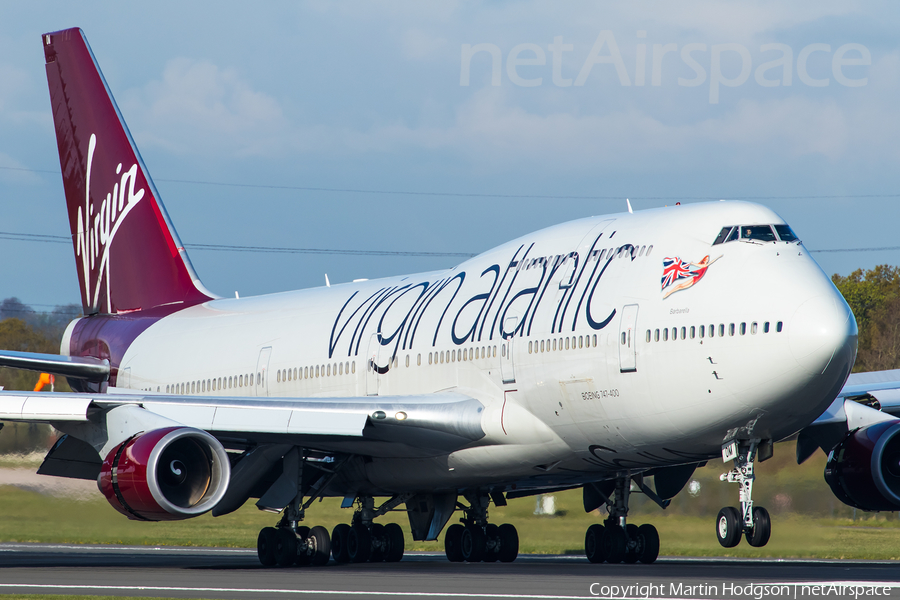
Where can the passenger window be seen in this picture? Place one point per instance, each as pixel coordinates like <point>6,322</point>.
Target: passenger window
<point>353,367</point>
<point>674,333</point>
<point>595,340</point>
<point>278,376</point>
<point>731,329</point>
<point>418,360</point>
<point>581,341</point>
<point>683,332</point>
<point>542,345</point>
<point>779,326</point>
<point>567,343</point>
<point>623,338</point>
<point>656,335</point>
<point>666,334</point>
<point>753,328</point>
<point>702,331</point>
<point>554,345</point>
<point>648,336</point>
<point>743,329</point>
<point>721,330</point>
<point>693,332</point>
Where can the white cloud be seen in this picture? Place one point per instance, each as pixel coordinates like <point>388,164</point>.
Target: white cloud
<point>198,103</point>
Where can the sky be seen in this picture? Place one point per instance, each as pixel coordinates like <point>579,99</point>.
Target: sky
<point>453,127</point>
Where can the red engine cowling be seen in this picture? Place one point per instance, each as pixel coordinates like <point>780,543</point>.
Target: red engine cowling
<point>863,470</point>
<point>166,474</point>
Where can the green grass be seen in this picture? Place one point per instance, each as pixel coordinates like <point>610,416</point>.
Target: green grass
<point>808,521</point>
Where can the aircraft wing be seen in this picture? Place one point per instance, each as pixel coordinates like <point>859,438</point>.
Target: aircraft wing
<point>865,399</point>
<point>420,425</point>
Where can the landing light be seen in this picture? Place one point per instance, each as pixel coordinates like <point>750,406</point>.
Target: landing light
<point>400,416</point>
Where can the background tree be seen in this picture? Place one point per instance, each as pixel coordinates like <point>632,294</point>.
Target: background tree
<point>874,296</point>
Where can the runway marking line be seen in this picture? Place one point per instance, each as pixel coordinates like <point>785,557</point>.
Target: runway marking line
<point>138,588</point>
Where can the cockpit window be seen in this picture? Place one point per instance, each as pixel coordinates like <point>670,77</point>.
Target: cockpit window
<point>785,234</point>
<point>759,233</point>
<point>722,235</point>
<point>755,233</point>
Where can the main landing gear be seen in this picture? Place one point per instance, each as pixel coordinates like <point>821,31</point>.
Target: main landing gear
<point>617,541</point>
<point>365,541</point>
<point>290,543</point>
<point>476,540</point>
<point>751,521</point>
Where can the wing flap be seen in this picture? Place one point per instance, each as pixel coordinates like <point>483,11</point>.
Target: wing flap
<point>43,407</point>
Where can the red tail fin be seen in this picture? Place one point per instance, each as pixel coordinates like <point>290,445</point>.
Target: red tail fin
<point>127,252</point>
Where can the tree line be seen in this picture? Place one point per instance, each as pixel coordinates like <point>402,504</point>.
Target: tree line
<point>874,296</point>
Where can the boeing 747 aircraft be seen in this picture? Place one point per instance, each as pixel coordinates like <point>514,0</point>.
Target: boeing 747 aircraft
<point>614,354</point>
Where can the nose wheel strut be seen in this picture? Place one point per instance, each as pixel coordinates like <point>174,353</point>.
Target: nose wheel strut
<point>751,521</point>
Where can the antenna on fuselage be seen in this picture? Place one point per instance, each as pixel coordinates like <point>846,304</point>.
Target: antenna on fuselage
<point>628,203</point>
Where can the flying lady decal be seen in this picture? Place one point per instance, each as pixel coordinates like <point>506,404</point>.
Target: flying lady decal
<point>680,275</point>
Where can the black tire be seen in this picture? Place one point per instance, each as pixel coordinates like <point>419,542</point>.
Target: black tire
<point>472,543</point>
<point>395,543</point>
<point>762,528</point>
<point>265,546</point>
<point>631,551</point>
<point>453,542</point>
<point>304,555</point>
<point>359,543</point>
<point>729,527</point>
<point>509,543</point>
<point>648,538</point>
<point>492,543</point>
<point>593,549</point>
<point>614,544</point>
<point>339,546</point>
<point>320,546</point>
<point>285,548</point>
<point>379,543</point>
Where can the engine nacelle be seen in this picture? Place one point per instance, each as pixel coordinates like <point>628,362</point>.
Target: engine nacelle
<point>863,470</point>
<point>165,475</point>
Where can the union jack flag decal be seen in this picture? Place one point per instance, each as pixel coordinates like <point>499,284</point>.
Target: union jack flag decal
<point>680,275</point>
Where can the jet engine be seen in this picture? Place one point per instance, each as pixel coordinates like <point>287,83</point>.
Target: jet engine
<point>863,470</point>
<point>166,474</point>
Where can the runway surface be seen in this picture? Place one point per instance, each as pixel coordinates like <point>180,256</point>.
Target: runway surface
<point>235,573</point>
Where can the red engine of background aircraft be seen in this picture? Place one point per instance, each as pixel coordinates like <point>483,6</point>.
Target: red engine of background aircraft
<point>166,474</point>
<point>864,469</point>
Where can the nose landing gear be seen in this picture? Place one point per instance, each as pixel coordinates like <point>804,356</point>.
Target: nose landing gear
<point>751,521</point>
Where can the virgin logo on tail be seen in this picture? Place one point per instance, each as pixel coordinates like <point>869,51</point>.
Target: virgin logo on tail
<point>97,228</point>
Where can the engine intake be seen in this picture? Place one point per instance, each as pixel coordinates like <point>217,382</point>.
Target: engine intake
<point>166,474</point>
<point>863,470</point>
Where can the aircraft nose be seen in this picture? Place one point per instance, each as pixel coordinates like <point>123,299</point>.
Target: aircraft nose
<point>822,327</point>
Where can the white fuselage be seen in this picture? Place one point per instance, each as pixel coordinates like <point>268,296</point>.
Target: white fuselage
<point>583,364</point>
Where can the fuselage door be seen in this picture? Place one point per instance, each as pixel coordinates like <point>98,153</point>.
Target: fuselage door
<point>372,365</point>
<point>507,365</point>
<point>262,371</point>
<point>628,339</point>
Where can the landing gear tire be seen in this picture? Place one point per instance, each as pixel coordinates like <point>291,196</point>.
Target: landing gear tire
<point>265,546</point>
<point>593,549</point>
<point>631,551</point>
<point>648,539</point>
<point>472,543</point>
<point>453,542</point>
<point>359,543</point>
<point>614,544</point>
<point>285,548</point>
<point>378,543</point>
<point>304,557</point>
<point>509,543</point>
<point>762,528</point>
<point>393,536</point>
<point>729,527</point>
<point>339,543</point>
<point>318,546</point>
<point>492,543</point>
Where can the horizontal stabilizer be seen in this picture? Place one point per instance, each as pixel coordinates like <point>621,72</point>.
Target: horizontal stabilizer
<point>77,367</point>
